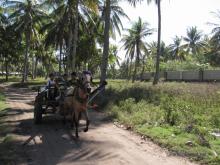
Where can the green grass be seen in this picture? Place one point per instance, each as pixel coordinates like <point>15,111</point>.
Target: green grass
<point>3,105</point>
<point>15,81</point>
<point>31,83</point>
<point>170,114</point>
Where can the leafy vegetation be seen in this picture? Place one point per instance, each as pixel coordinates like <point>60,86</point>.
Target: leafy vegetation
<point>179,116</point>
<point>2,102</point>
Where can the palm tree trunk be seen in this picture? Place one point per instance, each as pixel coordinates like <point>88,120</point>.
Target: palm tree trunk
<point>106,42</point>
<point>69,48</point>
<point>75,34</point>
<point>127,69</point>
<point>24,77</point>
<point>35,68</point>
<point>130,70</point>
<point>136,63</point>
<point>6,70</point>
<point>61,45</point>
<point>143,69</point>
<point>156,76</point>
<point>33,62</point>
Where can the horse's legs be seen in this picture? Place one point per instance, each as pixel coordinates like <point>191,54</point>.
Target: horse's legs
<point>75,118</point>
<point>87,121</point>
<point>64,113</point>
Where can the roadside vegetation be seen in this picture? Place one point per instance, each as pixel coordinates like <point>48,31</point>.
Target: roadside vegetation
<point>179,116</point>
<point>2,101</point>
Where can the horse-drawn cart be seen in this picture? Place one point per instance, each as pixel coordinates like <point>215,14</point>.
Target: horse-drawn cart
<point>49,99</point>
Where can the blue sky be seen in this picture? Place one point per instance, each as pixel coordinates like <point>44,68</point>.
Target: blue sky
<point>177,16</point>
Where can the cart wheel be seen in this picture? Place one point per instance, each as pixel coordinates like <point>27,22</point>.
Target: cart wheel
<point>37,113</point>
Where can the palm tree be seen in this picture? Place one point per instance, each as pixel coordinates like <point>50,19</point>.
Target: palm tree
<point>26,18</point>
<point>70,14</point>
<point>216,29</point>
<point>115,15</point>
<point>106,41</point>
<point>134,2</point>
<point>194,42</point>
<point>177,48</point>
<point>111,14</point>
<point>55,30</point>
<point>133,42</point>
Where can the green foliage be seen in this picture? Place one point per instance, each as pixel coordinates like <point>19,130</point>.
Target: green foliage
<point>2,102</point>
<point>183,65</point>
<point>170,114</point>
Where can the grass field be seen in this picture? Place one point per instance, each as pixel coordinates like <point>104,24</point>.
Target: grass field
<point>178,116</point>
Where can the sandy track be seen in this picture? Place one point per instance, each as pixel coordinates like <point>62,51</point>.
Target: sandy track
<point>52,143</point>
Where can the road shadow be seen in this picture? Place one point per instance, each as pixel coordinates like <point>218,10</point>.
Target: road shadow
<point>51,142</point>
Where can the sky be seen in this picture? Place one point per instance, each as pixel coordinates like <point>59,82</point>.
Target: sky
<point>177,16</point>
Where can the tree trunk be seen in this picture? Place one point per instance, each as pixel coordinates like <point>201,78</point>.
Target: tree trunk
<point>75,34</point>
<point>25,69</point>
<point>143,69</point>
<point>156,76</point>
<point>61,45</point>
<point>6,70</point>
<point>70,39</point>
<point>130,70</point>
<point>136,62</point>
<point>33,62</point>
<point>35,68</point>
<point>106,42</point>
<point>2,68</point>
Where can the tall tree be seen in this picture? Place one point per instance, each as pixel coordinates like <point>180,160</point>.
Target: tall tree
<point>194,42</point>
<point>134,2</point>
<point>111,13</point>
<point>72,12</point>
<point>106,41</point>
<point>177,48</point>
<point>26,17</point>
<point>134,42</point>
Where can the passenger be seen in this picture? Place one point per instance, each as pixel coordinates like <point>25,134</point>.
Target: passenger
<point>51,81</point>
<point>73,81</point>
<point>52,86</point>
<point>65,77</point>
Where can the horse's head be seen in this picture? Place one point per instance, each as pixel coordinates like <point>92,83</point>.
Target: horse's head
<point>85,79</point>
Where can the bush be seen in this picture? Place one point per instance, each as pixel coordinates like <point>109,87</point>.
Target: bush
<point>170,114</point>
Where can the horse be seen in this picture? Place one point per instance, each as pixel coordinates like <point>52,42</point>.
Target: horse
<point>75,101</point>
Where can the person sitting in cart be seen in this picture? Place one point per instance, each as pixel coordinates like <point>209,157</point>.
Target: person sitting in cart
<point>52,87</point>
<point>65,77</point>
<point>73,81</point>
<point>51,81</point>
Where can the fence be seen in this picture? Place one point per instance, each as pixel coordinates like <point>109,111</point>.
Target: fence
<point>201,75</point>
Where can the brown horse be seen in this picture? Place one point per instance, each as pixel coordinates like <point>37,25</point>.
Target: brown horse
<point>76,101</point>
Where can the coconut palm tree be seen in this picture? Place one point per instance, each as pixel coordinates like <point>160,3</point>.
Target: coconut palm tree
<point>134,2</point>
<point>194,42</point>
<point>216,28</point>
<point>55,30</point>
<point>104,63</point>
<point>134,42</point>
<point>71,13</point>
<point>111,14</point>
<point>26,18</point>
<point>176,47</point>
<point>115,16</point>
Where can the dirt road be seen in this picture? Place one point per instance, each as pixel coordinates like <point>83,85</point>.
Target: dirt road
<point>104,144</point>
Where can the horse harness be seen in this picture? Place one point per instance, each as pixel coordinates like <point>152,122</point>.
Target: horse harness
<point>75,94</point>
